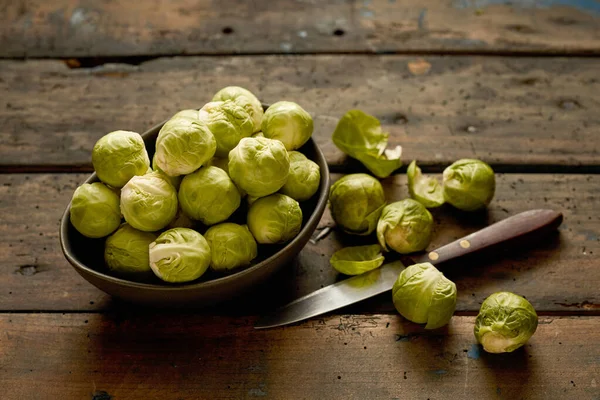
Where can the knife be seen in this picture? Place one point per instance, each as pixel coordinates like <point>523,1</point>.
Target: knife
<point>360,287</point>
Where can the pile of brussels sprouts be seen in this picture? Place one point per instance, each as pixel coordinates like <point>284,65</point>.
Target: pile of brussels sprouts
<point>421,294</point>
<point>173,218</point>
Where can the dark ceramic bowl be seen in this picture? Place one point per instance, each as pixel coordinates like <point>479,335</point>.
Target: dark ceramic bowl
<point>87,255</point>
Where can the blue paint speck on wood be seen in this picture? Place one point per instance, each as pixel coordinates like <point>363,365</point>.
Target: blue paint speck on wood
<point>474,352</point>
<point>440,372</point>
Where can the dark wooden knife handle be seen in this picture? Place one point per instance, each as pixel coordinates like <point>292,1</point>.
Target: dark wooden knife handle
<point>511,228</point>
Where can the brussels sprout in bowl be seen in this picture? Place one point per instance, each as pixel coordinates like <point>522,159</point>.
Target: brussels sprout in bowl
<point>86,255</point>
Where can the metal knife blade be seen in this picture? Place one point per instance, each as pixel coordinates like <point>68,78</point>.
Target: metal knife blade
<point>360,287</point>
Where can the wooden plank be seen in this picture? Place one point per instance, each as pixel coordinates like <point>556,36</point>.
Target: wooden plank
<point>350,357</point>
<point>559,275</point>
<point>66,28</point>
<point>532,113</point>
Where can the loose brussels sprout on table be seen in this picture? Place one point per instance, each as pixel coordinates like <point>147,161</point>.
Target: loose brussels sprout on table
<point>183,145</point>
<point>305,176</point>
<point>149,202</point>
<point>405,226</point>
<point>126,252</point>
<point>423,295</point>
<point>232,246</point>
<point>356,202</point>
<point>275,219</point>
<point>209,195</point>
<point>505,322</point>
<point>245,99</point>
<point>288,122</point>
<point>469,185</point>
<point>259,166</point>
<point>357,260</point>
<point>95,211</point>
<point>119,156</point>
<point>228,122</point>
<point>179,255</point>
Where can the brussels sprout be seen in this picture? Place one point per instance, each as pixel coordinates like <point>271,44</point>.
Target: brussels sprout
<point>425,190</point>
<point>209,195</point>
<point>423,295</point>
<point>119,156</point>
<point>193,114</point>
<point>228,122</point>
<point>181,220</point>
<point>469,184</point>
<point>405,226</point>
<point>505,322</point>
<point>274,219</point>
<point>259,166</point>
<point>305,176</point>
<point>289,123</point>
<point>126,252</point>
<point>360,136</point>
<point>179,255</point>
<point>95,210</point>
<point>232,246</point>
<point>183,145</point>
<point>245,99</point>
<point>357,260</point>
<point>356,201</point>
<point>148,202</point>
<point>220,162</point>
<point>173,180</point>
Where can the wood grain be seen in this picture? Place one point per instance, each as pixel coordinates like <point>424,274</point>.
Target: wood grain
<point>558,275</point>
<point>351,357</point>
<point>66,28</point>
<point>519,114</point>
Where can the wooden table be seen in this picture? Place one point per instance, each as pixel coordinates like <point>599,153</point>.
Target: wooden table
<point>516,84</point>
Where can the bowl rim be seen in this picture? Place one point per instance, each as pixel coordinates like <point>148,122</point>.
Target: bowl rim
<point>317,212</point>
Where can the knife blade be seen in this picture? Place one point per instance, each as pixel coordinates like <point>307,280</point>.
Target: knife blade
<point>361,287</point>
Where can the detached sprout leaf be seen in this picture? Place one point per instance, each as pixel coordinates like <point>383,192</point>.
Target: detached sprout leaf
<point>426,190</point>
<point>357,260</point>
<point>359,135</point>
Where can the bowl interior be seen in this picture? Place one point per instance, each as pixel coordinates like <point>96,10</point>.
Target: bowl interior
<point>87,254</point>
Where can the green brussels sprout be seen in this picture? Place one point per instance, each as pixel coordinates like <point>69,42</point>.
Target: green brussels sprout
<point>232,246</point>
<point>220,162</point>
<point>356,201</point>
<point>359,135</point>
<point>181,220</point>
<point>423,295</point>
<point>425,190</point>
<point>469,185</point>
<point>179,255</point>
<point>505,322</point>
<point>126,252</point>
<point>228,122</point>
<point>149,202</point>
<point>193,114</point>
<point>245,99</point>
<point>119,156</point>
<point>95,210</point>
<point>259,166</point>
<point>258,134</point>
<point>274,219</point>
<point>357,260</point>
<point>405,226</point>
<point>289,123</point>
<point>183,145</point>
<point>209,195</point>
<point>173,180</point>
<point>305,176</point>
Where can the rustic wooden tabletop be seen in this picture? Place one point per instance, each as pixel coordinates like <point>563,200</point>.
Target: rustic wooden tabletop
<point>514,83</point>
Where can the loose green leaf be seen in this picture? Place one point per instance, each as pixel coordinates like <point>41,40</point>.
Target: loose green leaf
<point>426,190</point>
<point>357,260</point>
<point>359,135</point>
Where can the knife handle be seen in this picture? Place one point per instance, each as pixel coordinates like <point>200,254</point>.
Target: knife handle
<point>514,227</point>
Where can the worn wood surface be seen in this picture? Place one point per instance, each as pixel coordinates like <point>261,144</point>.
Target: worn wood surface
<point>519,114</point>
<point>80,28</point>
<point>558,275</point>
<point>342,357</point>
